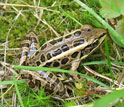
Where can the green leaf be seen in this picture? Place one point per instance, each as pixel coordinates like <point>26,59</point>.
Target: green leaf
<point>107,14</point>
<point>118,39</point>
<point>112,8</point>
<point>120,27</point>
<point>108,99</point>
<point>115,36</point>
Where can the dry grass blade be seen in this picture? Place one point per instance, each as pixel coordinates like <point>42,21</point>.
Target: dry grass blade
<point>45,22</point>
<point>121,77</point>
<point>20,12</point>
<point>39,17</point>
<point>9,68</point>
<point>99,75</point>
<point>102,89</point>
<point>14,100</point>
<point>10,49</point>
<point>72,98</point>
<point>30,6</point>
<point>116,50</point>
<point>36,13</point>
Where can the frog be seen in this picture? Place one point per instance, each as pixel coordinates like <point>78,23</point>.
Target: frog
<point>67,50</point>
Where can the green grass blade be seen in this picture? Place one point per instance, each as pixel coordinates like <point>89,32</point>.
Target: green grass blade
<point>17,91</point>
<point>94,62</point>
<point>108,58</point>
<point>60,70</point>
<point>108,99</point>
<point>1,105</point>
<point>10,82</point>
<point>118,63</point>
<point>115,36</point>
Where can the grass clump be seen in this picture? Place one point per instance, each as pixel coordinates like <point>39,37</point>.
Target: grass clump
<point>64,15</point>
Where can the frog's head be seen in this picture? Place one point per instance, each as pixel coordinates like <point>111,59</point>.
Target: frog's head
<point>93,35</point>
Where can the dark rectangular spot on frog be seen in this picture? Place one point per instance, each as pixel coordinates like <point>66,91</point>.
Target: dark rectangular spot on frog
<point>48,86</point>
<point>38,63</point>
<point>24,54</point>
<point>53,42</point>
<point>30,77</point>
<point>65,48</point>
<point>60,39</point>
<point>78,42</point>
<point>33,39</point>
<point>82,52</point>
<point>24,63</point>
<point>52,85</point>
<point>36,53</point>
<point>56,52</point>
<point>31,84</point>
<point>50,75</point>
<point>38,83</point>
<point>56,82</point>
<point>48,64</point>
<point>77,33</point>
<point>68,36</point>
<point>25,45</point>
<point>75,54</point>
<point>23,76</point>
<point>27,38</point>
<point>42,58</point>
<point>49,56</point>
<point>44,46</point>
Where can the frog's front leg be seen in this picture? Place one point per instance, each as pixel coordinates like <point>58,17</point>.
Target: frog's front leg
<point>74,66</point>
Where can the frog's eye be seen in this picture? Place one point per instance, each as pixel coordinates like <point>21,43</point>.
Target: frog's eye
<point>87,28</point>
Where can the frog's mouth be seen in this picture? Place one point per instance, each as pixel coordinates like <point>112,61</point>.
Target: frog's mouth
<point>104,34</point>
<point>93,46</point>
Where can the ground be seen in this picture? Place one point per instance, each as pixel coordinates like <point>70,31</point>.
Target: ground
<point>54,19</point>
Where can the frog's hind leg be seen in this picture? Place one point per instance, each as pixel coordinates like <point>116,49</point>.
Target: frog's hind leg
<point>34,45</point>
<point>37,79</point>
<point>29,47</point>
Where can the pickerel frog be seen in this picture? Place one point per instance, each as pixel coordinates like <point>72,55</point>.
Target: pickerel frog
<point>69,50</point>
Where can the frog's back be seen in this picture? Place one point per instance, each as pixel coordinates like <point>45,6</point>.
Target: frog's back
<point>63,50</point>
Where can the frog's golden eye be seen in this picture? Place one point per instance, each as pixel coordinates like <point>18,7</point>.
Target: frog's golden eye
<point>87,28</point>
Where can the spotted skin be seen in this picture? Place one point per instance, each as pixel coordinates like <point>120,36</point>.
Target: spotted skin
<point>69,50</point>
